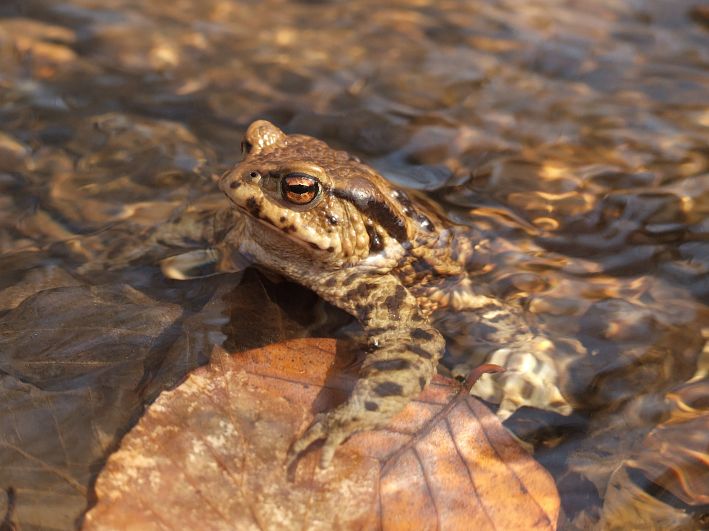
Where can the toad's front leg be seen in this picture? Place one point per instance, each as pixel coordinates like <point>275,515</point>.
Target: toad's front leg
<point>404,353</point>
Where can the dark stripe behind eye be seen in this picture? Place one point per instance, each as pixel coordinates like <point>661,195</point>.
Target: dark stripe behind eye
<point>377,210</point>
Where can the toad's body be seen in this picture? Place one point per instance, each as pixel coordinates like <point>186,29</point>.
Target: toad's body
<point>325,220</point>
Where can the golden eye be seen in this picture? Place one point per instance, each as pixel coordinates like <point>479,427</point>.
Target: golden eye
<point>299,188</point>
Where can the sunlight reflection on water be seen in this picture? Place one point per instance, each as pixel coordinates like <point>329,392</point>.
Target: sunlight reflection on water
<point>575,131</point>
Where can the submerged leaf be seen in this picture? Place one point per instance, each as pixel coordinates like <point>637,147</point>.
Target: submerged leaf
<point>675,455</point>
<point>212,453</point>
<point>72,361</point>
<point>666,483</point>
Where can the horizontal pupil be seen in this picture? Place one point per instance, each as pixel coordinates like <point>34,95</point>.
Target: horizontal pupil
<point>301,188</point>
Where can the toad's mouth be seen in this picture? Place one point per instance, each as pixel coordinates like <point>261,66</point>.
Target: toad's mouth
<point>289,232</point>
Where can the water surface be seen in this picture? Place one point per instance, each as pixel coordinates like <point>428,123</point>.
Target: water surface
<point>576,130</point>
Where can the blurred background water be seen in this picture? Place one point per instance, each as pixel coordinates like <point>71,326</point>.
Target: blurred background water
<point>578,131</point>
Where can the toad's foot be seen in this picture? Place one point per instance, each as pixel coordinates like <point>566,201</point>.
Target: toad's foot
<point>336,426</point>
<point>388,384</point>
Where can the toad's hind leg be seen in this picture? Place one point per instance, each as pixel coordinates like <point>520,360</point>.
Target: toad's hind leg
<point>404,353</point>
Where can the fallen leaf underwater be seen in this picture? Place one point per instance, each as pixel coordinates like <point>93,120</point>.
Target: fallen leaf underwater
<point>211,453</point>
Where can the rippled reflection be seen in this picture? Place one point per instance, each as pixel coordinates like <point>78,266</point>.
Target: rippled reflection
<point>572,134</point>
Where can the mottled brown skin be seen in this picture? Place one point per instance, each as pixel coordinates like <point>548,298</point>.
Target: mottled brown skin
<point>329,222</point>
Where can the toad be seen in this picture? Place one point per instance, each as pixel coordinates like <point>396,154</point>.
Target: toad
<point>322,218</point>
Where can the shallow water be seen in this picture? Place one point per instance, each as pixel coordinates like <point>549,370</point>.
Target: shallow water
<point>575,130</point>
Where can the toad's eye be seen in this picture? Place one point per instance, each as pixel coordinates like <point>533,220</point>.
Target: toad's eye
<point>300,188</point>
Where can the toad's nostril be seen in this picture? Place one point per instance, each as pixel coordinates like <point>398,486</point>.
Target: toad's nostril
<point>235,184</point>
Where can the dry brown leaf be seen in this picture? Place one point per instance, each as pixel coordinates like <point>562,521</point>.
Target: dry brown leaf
<point>211,454</point>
